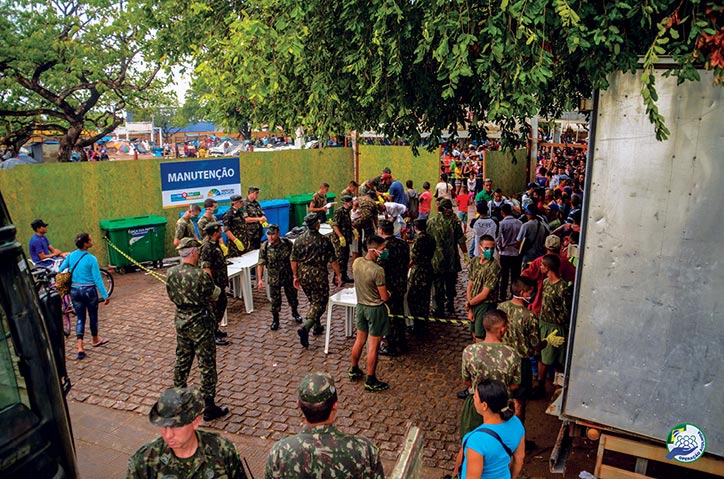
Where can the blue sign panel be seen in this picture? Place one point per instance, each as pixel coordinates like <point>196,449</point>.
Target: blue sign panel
<point>186,182</point>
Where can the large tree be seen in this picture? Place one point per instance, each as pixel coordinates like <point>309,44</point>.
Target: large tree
<point>409,66</point>
<point>71,67</point>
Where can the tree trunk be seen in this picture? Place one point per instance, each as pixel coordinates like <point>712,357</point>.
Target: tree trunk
<point>68,141</point>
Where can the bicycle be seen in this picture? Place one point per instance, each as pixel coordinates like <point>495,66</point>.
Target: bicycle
<point>45,278</point>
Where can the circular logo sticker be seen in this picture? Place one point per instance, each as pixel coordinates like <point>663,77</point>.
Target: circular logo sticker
<point>686,443</point>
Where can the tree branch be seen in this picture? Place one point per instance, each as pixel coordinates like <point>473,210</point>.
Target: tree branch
<point>29,113</point>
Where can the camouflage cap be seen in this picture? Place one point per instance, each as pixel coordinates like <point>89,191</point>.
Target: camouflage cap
<point>235,198</point>
<point>188,243</point>
<point>213,226</point>
<point>273,228</point>
<point>316,388</point>
<point>445,204</point>
<point>311,219</point>
<point>177,407</point>
<point>346,199</point>
<point>253,189</point>
<point>553,242</point>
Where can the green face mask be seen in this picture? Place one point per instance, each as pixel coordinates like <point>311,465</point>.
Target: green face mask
<point>488,254</point>
<point>384,255</point>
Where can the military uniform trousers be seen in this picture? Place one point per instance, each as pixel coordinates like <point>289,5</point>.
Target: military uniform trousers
<point>342,253</point>
<point>396,303</point>
<point>418,296</point>
<point>254,236</point>
<point>316,288</point>
<point>196,339</point>
<point>445,290</point>
<point>219,307</point>
<point>275,290</point>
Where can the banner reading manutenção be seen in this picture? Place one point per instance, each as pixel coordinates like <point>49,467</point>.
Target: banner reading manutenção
<point>187,182</point>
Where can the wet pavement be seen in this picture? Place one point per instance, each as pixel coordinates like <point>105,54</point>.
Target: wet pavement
<point>258,376</point>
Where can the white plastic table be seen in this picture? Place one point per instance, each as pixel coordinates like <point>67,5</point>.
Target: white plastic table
<point>239,272</point>
<point>347,298</point>
<point>325,229</point>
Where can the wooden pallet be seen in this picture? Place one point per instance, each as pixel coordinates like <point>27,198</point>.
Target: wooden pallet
<point>643,452</point>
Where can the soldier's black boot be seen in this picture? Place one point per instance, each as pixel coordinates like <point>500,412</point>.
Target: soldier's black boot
<point>295,315</point>
<point>388,348</point>
<point>212,411</point>
<point>303,336</point>
<point>318,329</point>
<point>275,322</point>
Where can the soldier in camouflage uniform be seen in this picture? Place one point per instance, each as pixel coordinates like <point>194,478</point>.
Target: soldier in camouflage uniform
<point>319,203</point>
<point>342,226</point>
<point>420,282</point>
<point>396,265</point>
<point>310,255</point>
<point>254,218</point>
<point>447,233</point>
<point>211,260</point>
<point>210,207</point>
<point>554,314</point>
<point>274,254</point>
<point>235,227</point>
<point>320,449</point>
<point>185,224</point>
<point>483,281</point>
<point>488,359</point>
<point>380,184</point>
<point>192,291</point>
<point>350,190</point>
<point>522,335</point>
<point>183,450</point>
<point>367,219</point>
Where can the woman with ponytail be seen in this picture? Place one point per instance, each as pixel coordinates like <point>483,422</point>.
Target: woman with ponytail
<point>496,449</point>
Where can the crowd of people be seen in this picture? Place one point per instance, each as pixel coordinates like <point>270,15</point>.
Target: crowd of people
<point>405,257</point>
<point>405,262</point>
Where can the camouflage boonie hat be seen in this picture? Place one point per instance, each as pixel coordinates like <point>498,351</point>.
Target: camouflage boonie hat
<point>188,243</point>
<point>311,219</point>
<point>316,388</point>
<point>177,407</point>
<point>445,204</point>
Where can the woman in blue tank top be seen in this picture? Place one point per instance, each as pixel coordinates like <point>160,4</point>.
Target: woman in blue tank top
<point>496,449</point>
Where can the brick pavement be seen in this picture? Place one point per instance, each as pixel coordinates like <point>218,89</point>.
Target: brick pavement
<point>260,370</point>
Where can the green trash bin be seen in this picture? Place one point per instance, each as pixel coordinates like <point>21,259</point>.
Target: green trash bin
<point>298,208</point>
<point>140,237</point>
<point>331,198</point>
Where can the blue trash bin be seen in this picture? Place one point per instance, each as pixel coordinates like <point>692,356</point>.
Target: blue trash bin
<point>276,212</point>
<point>220,212</point>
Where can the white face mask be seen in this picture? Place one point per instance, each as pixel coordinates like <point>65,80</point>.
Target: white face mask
<point>527,300</point>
